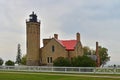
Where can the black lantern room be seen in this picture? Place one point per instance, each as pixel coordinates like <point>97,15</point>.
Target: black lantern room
<point>33,17</point>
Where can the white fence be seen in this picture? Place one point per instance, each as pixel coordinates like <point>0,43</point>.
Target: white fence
<point>94,70</point>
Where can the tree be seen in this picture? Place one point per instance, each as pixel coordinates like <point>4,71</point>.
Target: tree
<point>23,60</point>
<point>103,53</point>
<point>61,61</point>
<point>18,57</point>
<point>9,63</point>
<point>1,61</point>
<point>88,51</point>
<point>104,57</point>
<point>83,61</point>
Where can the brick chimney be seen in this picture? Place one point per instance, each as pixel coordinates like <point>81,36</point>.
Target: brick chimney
<point>56,36</point>
<point>97,54</point>
<point>78,37</point>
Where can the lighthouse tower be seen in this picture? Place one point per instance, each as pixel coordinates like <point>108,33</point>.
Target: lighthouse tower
<point>33,40</point>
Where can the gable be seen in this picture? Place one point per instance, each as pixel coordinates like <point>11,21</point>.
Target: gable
<point>68,45</point>
<point>54,42</point>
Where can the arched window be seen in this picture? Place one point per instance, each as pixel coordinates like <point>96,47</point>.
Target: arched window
<point>53,48</point>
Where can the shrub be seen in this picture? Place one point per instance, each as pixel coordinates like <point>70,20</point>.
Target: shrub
<point>9,63</point>
<point>61,61</point>
<point>83,61</point>
<point>1,61</point>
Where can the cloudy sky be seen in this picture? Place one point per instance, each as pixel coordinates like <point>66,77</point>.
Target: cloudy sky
<point>96,20</point>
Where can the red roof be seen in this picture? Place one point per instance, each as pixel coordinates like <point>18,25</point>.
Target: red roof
<point>68,44</point>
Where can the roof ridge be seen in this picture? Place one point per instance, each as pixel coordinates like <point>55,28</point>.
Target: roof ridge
<point>68,44</point>
<point>59,41</point>
<point>69,40</point>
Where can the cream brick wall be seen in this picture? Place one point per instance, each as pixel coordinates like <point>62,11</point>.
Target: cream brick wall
<point>47,51</point>
<point>77,52</point>
<point>33,43</point>
<point>59,51</point>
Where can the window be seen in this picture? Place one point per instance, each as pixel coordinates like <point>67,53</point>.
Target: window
<point>53,48</point>
<point>49,59</point>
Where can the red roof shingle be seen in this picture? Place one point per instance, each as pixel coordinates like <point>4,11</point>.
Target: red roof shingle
<point>68,44</point>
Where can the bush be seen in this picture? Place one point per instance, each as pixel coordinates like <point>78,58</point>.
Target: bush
<point>80,61</point>
<point>61,61</point>
<point>9,63</point>
<point>83,61</point>
<point>1,61</point>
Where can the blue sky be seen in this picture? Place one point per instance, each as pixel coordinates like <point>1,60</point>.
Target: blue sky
<point>96,20</point>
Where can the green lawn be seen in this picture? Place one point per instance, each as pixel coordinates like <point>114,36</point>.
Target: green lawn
<point>49,76</point>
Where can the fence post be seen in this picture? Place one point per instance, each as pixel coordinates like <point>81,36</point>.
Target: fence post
<point>79,69</point>
<point>65,69</point>
<point>52,68</point>
<point>114,69</point>
<point>94,70</point>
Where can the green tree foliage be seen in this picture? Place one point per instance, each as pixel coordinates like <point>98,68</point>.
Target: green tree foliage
<point>18,57</point>
<point>23,61</point>
<point>61,61</point>
<point>79,61</point>
<point>1,61</point>
<point>104,57</point>
<point>103,53</point>
<point>83,61</point>
<point>9,63</point>
<point>88,51</point>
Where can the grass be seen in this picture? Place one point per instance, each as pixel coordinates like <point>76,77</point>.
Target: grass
<point>50,76</point>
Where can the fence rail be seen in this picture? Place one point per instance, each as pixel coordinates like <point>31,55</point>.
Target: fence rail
<point>94,70</point>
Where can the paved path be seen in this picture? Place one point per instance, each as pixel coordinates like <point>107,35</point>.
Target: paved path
<point>65,74</point>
